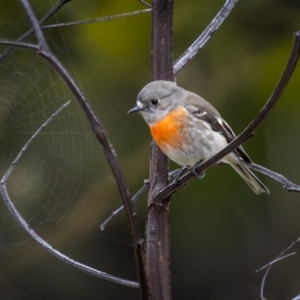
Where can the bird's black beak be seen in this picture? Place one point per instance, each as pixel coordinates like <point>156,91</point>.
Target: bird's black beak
<point>135,109</point>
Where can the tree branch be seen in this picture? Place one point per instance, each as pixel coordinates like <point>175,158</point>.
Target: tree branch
<point>118,210</point>
<point>19,44</point>
<point>158,219</point>
<point>145,3</point>
<point>191,52</point>
<point>287,184</point>
<point>268,266</point>
<point>96,20</point>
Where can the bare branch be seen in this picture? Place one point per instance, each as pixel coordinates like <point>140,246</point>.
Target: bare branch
<point>145,3</point>
<point>25,147</point>
<point>32,233</point>
<point>96,20</point>
<point>101,135</point>
<point>171,189</point>
<point>190,53</point>
<point>287,184</point>
<point>158,218</point>
<point>268,266</point>
<point>19,44</point>
<point>36,28</point>
<point>172,174</point>
<point>117,211</point>
<point>52,11</point>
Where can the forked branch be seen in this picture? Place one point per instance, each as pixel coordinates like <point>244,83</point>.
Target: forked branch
<point>269,265</point>
<point>50,13</point>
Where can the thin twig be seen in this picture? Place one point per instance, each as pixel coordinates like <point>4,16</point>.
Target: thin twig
<point>145,3</point>
<point>14,43</point>
<point>263,283</point>
<point>25,147</point>
<point>269,265</point>
<point>52,11</point>
<point>96,20</point>
<point>172,174</point>
<point>189,54</point>
<point>117,211</point>
<point>276,260</point>
<point>287,184</point>
<point>171,189</point>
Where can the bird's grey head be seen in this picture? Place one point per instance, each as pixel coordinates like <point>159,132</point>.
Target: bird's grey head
<point>157,99</point>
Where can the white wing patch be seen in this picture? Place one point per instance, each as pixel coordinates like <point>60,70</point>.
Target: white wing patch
<point>226,126</point>
<point>220,121</point>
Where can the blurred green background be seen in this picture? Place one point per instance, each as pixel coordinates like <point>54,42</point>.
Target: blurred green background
<point>221,232</point>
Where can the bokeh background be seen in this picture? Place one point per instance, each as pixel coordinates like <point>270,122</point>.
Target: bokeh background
<point>220,231</point>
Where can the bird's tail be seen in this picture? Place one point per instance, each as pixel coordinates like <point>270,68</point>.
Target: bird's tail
<point>256,185</point>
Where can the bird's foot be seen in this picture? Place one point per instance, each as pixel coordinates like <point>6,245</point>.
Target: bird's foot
<point>202,174</point>
<point>176,174</point>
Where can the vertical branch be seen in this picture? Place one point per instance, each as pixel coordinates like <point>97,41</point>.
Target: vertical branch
<point>162,40</point>
<point>158,220</point>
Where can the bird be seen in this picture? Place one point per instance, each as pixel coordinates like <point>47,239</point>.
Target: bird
<point>188,129</point>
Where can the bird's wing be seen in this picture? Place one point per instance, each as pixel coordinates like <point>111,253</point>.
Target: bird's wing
<point>212,117</point>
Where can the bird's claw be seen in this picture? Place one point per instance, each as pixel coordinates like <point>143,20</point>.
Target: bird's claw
<point>177,174</point>
<point>198,175</point>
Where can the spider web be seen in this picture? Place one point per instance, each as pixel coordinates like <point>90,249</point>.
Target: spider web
<point>61,185</point>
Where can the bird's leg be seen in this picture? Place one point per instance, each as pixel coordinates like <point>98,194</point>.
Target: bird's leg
<point>176,174</point>
<point>196,165</point>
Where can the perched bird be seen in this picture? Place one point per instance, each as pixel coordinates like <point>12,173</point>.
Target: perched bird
<point>188,129</point>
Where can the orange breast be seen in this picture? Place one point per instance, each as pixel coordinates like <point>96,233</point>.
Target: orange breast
<point>167,132</point>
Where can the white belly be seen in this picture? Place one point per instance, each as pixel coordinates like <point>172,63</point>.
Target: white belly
<point>202,144</point>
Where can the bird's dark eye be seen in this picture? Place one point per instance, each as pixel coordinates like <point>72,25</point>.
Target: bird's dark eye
<point>155,101</point>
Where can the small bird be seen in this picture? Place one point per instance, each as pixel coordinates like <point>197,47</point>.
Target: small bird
<point>188,129</point>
